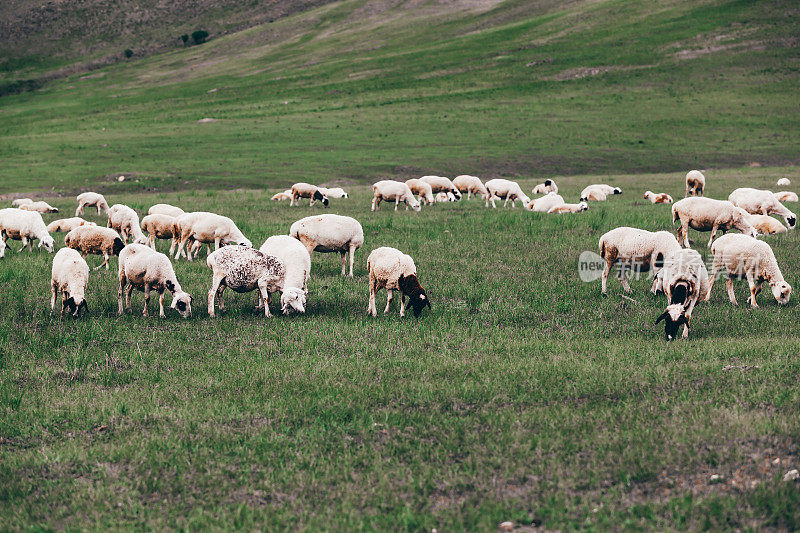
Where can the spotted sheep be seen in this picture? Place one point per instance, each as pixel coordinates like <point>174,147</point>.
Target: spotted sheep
<point>707,214</point>
<point>695,183</point>
<point>244,269</point>
<point>636,250</point>
<point>306,190</point>
<point>69,277</point>
<point>25,226</point>
<point>91,199</point>
<point>684,279</point>
<point>761,202</point>
<point>661,198</point>
<point>393,270</point>
<point>144,269</point>
<point>95,240</point>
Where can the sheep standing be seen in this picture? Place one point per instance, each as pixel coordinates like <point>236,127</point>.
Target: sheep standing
<point>545,188</point>
<point>125,221</point>
<point>165,209</point>
<point>21,201</point>
<point>546,202</point>
<point>742,256</point>
<point>636,250</point>
<point>424,190</point>
<point>441,184</point>
<point>91,199</point>
<point>69,277</point>
<point>160,226</point>
<point>393,191</point>
<point>471,185</point>
<point>330,234</point>
<point>95,240</point>
<point>306,190</point>
<point>39,207</point>
<point>204,227</point>
<point>568,208</point>
<point>695,183</point>
<point>707,214</point>
<point>661,198</point>
<point>244,269</point>
<point>507,190</point>
<point>598,192</point>
<point>25,226</point>
<point>334,192</point>
<point>297,261</point>
<point>783,182</point>
<point>761,202</point>
<point>786,196</point>
<point>144,269</point>
<point>67,224</point>
<point>684,279</point>
<point>394,270</point>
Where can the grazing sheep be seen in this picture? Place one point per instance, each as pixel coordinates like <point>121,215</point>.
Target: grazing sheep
<point>442,197</point>
<point>393,191</point>
<point>142,268</point>
<point>786,196</point>
<point>545,188</point>
<point>21,201</point>
<point>204,227</point>
<point>91,199</point>
<point>306,190</point>
<point>244,269</point>
<point>742,256</point>
<point>70,276</point>
<point>95,240</point>
<point>684,279</point>
<point>160,226</point>
<point>25,226</point>
<point>695,183</point>
<point>335,192</point>
<point>546,203</point>
<point>761,202</point>
<point>707,214</point>
<point>281,196</point>
<point>297,261</point>
<point>661,198</point>
<point>394,270</point>
<point>165,209</point>
<point>125,221</point>
<point>441,184</point>
<point>424,190</point>
<point>569,208</point>
<point>471,185</point>
<point>330,233</point>
<point>783,182</point>
<point>39,207</point>
<point>67,224</point>
<point>766,225</point>
<point>636,250</point>
<point>504,189</point>
<point>598,192</point>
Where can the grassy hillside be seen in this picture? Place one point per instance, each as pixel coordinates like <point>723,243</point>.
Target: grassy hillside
<point>368,89</point>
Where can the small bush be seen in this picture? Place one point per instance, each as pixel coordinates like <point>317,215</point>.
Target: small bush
<point>128,53</point>
<point>199,36</point>
<point>184,38</point>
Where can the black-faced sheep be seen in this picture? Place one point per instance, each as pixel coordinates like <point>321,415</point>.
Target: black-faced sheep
<point>394,270</point>
<point>144,269</point>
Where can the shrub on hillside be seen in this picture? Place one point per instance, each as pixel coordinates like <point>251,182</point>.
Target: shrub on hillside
<point>199,36</point>
<point>128,53</point>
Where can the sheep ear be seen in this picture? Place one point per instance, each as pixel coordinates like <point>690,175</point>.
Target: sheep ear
<point>661,317</point>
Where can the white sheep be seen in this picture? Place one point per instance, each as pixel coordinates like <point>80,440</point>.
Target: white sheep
<point>25,226</point>
<point>636,250</point>
<point>442,197</point>
<point>330,234</point>
<point>544,188</point>
<point>95,240</point>
<point>761,202</point>
<point>707,214</point>
<point>158,226</point>
<point>766,225</point>
<point>569,208</point>
<point>394,270</point>
<point>244,269</point>
<point>598,192</point>
<point>69,277</point>
<point>594,196</point>
<point>504,189</point>
<point>424,190</point>
<point>393,191</point>
<point>783,182</point>
<point>67,224</point>
<point>684,279</point>
<point>204,227</point>
<point>144,269</point>
<point>441,184</point>
<point>335,192</point>
<point>545,203</point>
<point>91,199</point>
<point>695,183</point>
<point>165,209</point>
<point>39,207</point>
<point>754,260</point>
<point>471,185</point>
<point>306,190</point>
<point>21,201</point>
<point>281,196</point>
<point>660,198</point>
<point>786,196</point>
<point>297,261</point>
<point>125,221</point>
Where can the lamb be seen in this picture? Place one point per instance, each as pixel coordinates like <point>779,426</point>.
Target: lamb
<point>424,190</point>
<point>569,208</point>
<point>306,190</point>
<point>783,182</point>
<point>786,196</point>
<point>142,268</point>
<point>547,187</point>
<point>95,240</point>
<point>505,190</point>
<point>21,201</point>
<point>602,188</point>
<point>442,197</point>
<point>684,279</point>
<point>391,268</point>
<point>661,198</point>
<point>546,202</point>
<point>244,269</point>
<point>766,225</point>
<point>695,183</point>
<point>165,209</point>
<point>441,184</point>
<point>125,221</point>
<point>39,207</point>
<point>91,199</point>
<point>393,191</point>
<point>707,214</point>
<point>25,226</point>
<point>204,227</point>
<point>753,259</point>
<point>471,185</point>
<point>335,192</point>
<point>281,196</point>
<point>761,202</point>
<point>160,226</point>
<point>594,196</point>
<point>635,249</point>
<point>330,233</point>
<point>70,277</point>
<point>297,261</point>
<point>67,224</point>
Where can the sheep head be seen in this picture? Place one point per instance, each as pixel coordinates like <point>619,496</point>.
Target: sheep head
<point>321,197</point>
<point>673,318</point>
<point>182,302</point>
<point>118,246</point>
<point>75,304</point>
<point>782,291</point>
<point>293,298</point>
<point>48,244</point>
<point>409,285</point>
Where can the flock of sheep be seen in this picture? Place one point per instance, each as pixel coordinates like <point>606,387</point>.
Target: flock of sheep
<point>283,263</point>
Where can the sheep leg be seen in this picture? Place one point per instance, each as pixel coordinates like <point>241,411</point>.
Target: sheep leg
<point>623,278</point>
<point>263,287</point>
<point>352,258</point>
<point>63,303</point>
<point>506,202</point>
<point>390,294</point>
<point>161,304</point>
<point>24,243</point>
<point>79,211</point>
<point>731,294</point>
<point>146,298</point>
<point>181,243</point>
<point>216,243</point>
<point>344,263</point>
<point>291,201</point>
<point>122,282</point>
<point>402,304</point>
<point>688,314</point>
<point>374,203</point>
<point>713,234</point>
<point>396,202</point>
<point>312,202</point>
<point>52,296</point>
<point>372,290</point>
<point>752,283</point>
<point>172,246</point>
<point>715,268</point>
<point>469,194</point>
<point>216,289</point>
<point>604,282</point>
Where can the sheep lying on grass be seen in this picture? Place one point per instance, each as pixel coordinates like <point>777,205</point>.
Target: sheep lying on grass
<point>21,201</point>
<point>281,196</point>
<point>707,214</point>
<point>91,199</point>
<point>661,198</point>
<point>752,259</point>
<point>125,221</point>
<point>547,187</point>
<point>471,185</point>
<point>297,261</point>
<point>160,226</point>
<point>39,207</point>
<point>69,277</point>
<point>244,269</point>
<point>783,182</point>
<point>786,196</point>
<point>422,189</point>
<point>684,279</point>
<point>204,227</point>
<point>568,208</point>
<point>695,183</point>
<point>330,234</point>
<point>545,203</point>
<point>165,209</point>
<point>593,196</point>
<point>393,191</point>
<point>144,269</point>
<point>67,224</point>
<point>394,270</point>
<point>25,226</point>
<point>306,190</point>
<point>507,190</point>
<point>598,192</point>
<point>635,249</point>
<point>95,240</point>
<point>766,225</point>
<point>761,202</point>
